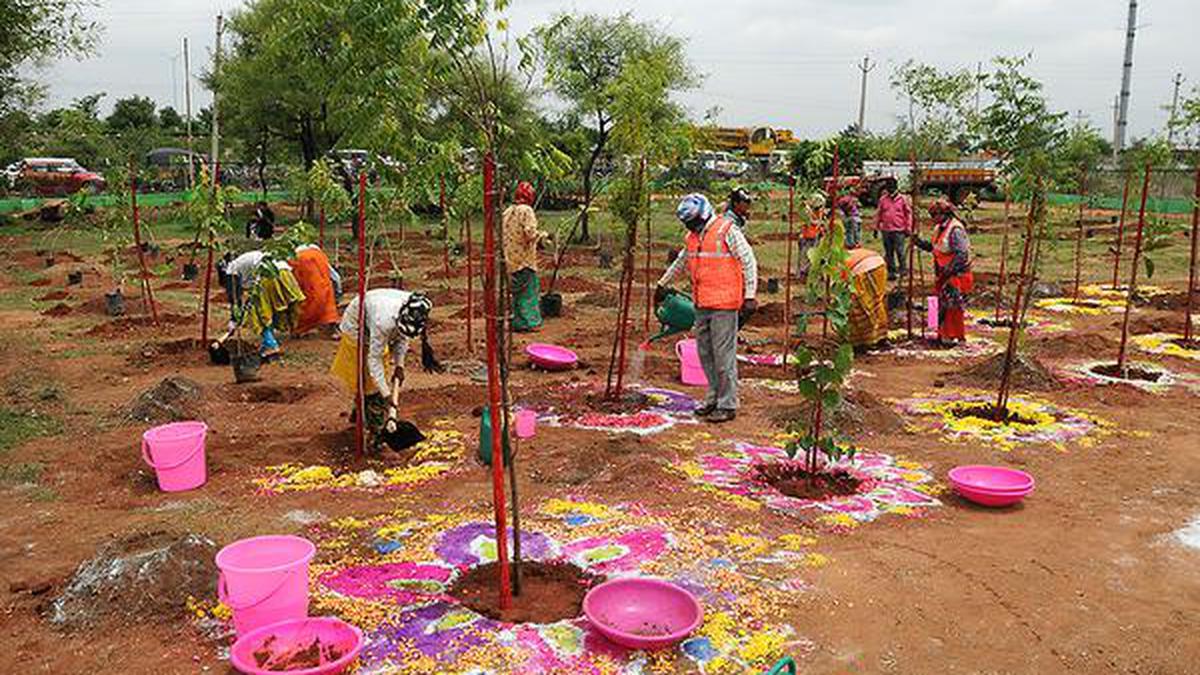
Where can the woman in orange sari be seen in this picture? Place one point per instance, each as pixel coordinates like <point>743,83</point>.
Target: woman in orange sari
<point>314,275</point>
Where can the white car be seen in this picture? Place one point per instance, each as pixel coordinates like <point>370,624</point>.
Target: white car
<point>11,173</point>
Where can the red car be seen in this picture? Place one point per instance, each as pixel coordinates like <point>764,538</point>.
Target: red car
<point>55,176</point>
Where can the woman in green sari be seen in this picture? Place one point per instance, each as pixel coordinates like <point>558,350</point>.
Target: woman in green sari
<point>521,240</point>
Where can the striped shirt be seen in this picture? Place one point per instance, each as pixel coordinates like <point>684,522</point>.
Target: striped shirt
<point>738,246</point>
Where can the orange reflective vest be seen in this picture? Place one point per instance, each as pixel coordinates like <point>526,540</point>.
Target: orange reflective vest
<point>717,279</point>
<point>943,256</point>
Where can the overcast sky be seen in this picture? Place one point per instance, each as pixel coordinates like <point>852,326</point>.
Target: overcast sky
<point>789,63</point>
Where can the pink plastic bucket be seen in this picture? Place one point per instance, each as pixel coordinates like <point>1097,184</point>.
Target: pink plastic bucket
<point>264,580</point>
<point>931,313</point>
<point>526,423</point>
<point>176,451</point>
<point>690,370</point>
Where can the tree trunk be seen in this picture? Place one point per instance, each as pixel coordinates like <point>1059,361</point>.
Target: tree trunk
<point>588,171</point>
<point>1137,255</point>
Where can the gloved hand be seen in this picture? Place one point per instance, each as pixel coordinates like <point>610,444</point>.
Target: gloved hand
<point>375,399</point>
<point>391,424</point>
<point>660,294</point>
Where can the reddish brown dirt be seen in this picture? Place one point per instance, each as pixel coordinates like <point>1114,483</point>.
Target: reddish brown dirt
<point>61,309</point>
<point>1027,373</point>
<point>1128,373</point>
<point>987,411</point>
<point>549,592</point>
<point>55,295</point>
<point>295,657</point>
<point>1054,585</point>
<point>792,480</point>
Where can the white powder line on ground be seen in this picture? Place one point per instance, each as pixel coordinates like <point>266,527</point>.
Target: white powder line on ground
<point>1190,536</point>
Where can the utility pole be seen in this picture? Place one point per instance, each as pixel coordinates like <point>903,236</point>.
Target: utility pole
<point>978,85</point>
<point>1116,108</point>
<point>866,67</point>
<point>1174,107</point>
<point>1126,77</point>
<point>215,161</point>
<point>187,101</point>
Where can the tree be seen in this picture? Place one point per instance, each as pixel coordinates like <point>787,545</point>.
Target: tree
<point>170,119</point>
<point>135,112</point>
<point>940,115</point>
<point>78,132</point>
<point>33,32</point>
<point>583,55</point>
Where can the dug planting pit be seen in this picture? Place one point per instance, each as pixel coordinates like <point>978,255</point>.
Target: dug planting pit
<point>550,592</point>
<point>266,393</point>
<point>793,480</point>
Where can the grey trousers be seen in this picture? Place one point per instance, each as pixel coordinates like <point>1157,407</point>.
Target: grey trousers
<point>895,246</point>
<point>716,341</point>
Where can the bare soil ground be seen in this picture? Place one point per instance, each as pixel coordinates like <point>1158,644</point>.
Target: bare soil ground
<point>1085,577</point>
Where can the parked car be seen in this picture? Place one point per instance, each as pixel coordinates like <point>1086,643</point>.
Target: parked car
<point>56,176</point>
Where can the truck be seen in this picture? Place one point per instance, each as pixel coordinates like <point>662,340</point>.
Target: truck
<point>953,179</point>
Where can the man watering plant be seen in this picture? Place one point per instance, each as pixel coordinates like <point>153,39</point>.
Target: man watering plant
<point>392,318</point>
<point>952,263</point>
<point>521,240</point>
<point>724,275</point>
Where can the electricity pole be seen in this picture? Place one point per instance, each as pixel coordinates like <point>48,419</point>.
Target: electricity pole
<point>1126,76</point>
<point>1174,107</point>
<point>866,67</point>
<point>1116,108</point>
<point>214,161</point>
<point>187,101</point>
<point>978,85</point>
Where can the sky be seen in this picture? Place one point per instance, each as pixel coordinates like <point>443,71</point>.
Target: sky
<point>783,63</point>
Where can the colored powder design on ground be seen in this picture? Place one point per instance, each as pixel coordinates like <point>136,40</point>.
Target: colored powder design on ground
<point>887,485</point>
<point>1047,423</point>
<point>1101,291</point>
<point>918,348</point>
<point>1084,373</point>
<point>1165,344</point>
<point>1035,326</point>
<point>765,359</point>
<point>1093,306</point>
<point>665,408</point>
<point>440,453</point>
<point>412,626</point>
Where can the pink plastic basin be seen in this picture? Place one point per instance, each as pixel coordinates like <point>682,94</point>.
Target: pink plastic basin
<point>991,478</point>
<point>298,634</point>
<point>642,613</point>
<point>991,485</point>
<point>551,357</point>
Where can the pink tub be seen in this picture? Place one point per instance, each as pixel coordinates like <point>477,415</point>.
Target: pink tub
<point>299,633</point>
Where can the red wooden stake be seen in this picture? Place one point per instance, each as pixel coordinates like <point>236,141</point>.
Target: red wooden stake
<point>493,370</point>
<point>1116,283</point>
<point>1191,293</point>
<point>360,396</point>
<point>1003,258</point>
<point>1137,254</point>
<point>470,291</point>
<point>833,209</point>
<point>787,293</point>
<point>649,247</point>
<point>143,271</point>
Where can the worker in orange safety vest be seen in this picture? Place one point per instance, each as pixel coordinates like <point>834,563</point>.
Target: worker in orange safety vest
<point>724,276</point>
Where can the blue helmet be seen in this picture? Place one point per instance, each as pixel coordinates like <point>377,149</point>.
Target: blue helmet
<point>694,208</point>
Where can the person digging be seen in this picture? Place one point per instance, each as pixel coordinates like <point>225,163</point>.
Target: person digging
<point>392,318</point>
<point>724,276</point>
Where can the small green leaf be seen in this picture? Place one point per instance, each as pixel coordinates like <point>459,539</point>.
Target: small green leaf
<point>1149,267</point>
<point>808,389</point>
<point>831,398</point>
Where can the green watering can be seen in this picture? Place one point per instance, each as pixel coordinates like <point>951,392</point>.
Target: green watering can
<point>676,314</point>
<point>785,665</point>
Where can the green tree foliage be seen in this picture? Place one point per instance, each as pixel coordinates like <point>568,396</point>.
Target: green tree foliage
<point>36,31</point>
<point>1018,124</point>
<point>170,119</point>
<point>1082,149</point>
<point>135,112</point>
<point>584,55</point>
<point>940,114</point>
<point>78,132</point>
<point>812,161</point>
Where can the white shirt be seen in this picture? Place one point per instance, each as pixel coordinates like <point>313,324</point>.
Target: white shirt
<point>383,331</point>
<point>245,266</point>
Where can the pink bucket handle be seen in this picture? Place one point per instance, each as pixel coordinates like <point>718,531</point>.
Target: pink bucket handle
<point>167,467</point>
<point>223,593</point>
<point>679,350</point>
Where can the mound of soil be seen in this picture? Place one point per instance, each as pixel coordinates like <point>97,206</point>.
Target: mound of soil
<point>61,309</point>
<point>152,351</point>
<point>1027,373</point>
<point>40,282</point>
<point>599,299</point>
<point>550,592</point>
<point>174,399</point>
<point>793,480</point>
<point>266,393</point>
<point>128,324</point>
<point>143,578</point>
<point>769,314</point>
<point>54,295</point>
<point>1075,345</point>
<point>860,413</point>
<point>576,285</point>
<point>987,411</point>
<point>1130,373</point>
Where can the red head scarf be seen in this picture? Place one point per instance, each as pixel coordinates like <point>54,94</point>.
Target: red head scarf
<point>525,194</point>
<point>941,208</point>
